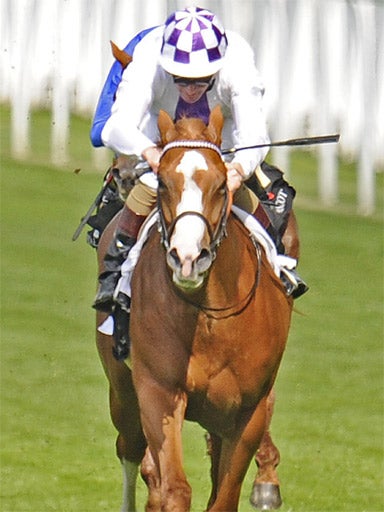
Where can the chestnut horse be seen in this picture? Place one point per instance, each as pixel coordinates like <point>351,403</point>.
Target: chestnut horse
<point>209,324</point>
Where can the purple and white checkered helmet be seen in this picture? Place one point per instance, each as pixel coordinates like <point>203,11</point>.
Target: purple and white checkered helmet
<point>194,43</point>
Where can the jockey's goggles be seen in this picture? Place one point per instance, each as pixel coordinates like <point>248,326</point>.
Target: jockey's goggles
<point>203,81</point>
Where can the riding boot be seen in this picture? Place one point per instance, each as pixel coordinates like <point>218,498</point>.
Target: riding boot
<point>124,239</point>
<point>293,283</point>
<point>273,213</point>
<point>121,317</point>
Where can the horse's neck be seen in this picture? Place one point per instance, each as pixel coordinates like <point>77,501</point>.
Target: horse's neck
<point>236,256</point>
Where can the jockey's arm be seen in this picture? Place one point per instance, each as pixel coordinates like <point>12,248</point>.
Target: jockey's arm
<point>245,90</point>
<point>124,132</point>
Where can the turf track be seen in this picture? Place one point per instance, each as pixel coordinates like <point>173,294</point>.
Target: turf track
<point>57,442</point>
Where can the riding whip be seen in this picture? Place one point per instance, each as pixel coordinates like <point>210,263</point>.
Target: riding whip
<point>305,141</point>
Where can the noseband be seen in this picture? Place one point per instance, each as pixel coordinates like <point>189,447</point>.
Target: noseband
<point>215,236</point>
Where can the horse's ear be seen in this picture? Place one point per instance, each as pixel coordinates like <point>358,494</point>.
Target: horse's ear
<point>120,55</point>
<point>215,125</point>
<point>166,127</point>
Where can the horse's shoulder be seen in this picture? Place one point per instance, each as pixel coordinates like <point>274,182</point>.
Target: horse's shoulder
<point>237,228</point>
<point>232,219</point>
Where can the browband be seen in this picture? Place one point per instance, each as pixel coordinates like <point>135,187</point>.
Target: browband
<point>191,144</point>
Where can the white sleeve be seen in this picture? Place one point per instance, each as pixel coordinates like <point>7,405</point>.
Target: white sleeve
<point>246,91</point>
<point>122,132</point>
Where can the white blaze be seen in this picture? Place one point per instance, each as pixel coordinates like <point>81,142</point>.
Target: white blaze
<point>189,230</point>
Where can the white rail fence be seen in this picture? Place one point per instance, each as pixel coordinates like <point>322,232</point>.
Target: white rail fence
<point>322,62</point>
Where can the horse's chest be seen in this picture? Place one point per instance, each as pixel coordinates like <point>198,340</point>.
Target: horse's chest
<point>227,373</point>
<point>214,395</point>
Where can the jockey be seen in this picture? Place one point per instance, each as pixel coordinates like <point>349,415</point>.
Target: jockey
<point>186,67</point>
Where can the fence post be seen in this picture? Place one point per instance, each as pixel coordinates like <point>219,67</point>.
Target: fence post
<point>366,173</point>
<point>328,165</point>
<point>279,17</point>
<point>20,93</point>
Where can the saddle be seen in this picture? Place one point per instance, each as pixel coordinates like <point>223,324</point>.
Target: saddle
<point>276,198</point>
<point>125,170</point>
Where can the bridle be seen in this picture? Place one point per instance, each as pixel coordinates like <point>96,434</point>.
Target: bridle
<point>215,235</point>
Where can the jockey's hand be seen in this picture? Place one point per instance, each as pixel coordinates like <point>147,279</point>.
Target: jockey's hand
<point>152,156</point>
<point>235,176</point>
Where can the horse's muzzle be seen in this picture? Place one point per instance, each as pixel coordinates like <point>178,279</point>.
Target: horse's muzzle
<point>189,273</point>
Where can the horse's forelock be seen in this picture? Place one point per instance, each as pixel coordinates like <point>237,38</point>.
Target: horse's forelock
<point>190,129</point>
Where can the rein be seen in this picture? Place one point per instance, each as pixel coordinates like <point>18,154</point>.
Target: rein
<point>241,304</point>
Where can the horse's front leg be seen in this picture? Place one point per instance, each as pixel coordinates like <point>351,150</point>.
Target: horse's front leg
<point>151,476</point>
<point>213,450</point>
<point>162,414</point>
<point>266,487</point>
<point>235,456</point>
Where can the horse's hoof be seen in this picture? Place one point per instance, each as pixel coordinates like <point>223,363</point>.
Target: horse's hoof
<point>266,496</point>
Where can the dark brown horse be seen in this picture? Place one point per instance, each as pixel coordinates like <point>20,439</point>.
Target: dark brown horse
<point>209,324</point>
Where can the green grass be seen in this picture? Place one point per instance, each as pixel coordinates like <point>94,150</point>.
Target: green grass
<point>57,441</point>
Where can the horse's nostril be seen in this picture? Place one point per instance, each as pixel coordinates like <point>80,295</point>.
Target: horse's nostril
<point>205,253</point>
<point>204,260</point>
<point>173,258</point>
<point>197,265</point>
